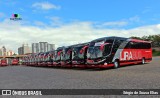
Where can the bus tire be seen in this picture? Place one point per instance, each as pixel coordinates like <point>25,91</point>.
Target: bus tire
<point>116,64</point>
<point>143,60</point>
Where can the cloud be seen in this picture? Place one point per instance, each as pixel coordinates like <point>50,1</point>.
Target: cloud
<point>39,23</point>
<point>134,19</point>
<point>147,10</point>
<point>116,23</point>
<point>2,14</point>
<point>45,6</point>
<point>67,34</point>
<point>55,21</point>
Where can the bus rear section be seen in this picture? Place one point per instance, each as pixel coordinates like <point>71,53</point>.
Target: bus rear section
<point>15,61</point>
<point>3,62</point>
<point>79,55</point>
<point>117,51</point>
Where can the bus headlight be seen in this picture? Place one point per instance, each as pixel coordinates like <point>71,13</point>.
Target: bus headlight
<point>105,63</point>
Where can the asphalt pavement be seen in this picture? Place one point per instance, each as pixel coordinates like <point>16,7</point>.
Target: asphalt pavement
<point>145,76</point>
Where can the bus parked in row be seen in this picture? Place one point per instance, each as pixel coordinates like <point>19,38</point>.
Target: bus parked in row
<point>66,57</point>
<point>3,62</point>
<point>57,57</point>
<point>15,61</point>
<point>79,55</point>
<point>118,51</point>
<point>99,53</point>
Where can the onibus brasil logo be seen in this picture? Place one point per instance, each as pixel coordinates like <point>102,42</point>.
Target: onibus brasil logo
<point>15,17</point>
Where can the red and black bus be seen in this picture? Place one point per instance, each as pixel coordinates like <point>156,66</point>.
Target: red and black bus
<point>4,62</point>
<point>36,59</point>
<point>66,56</point>
<point>50,58</point>
<point>118,51</point>
<point>57,56</point>
<point>41,59</point>
<point>79,55</point>
<point>47,60</point>
<point>15,61</point>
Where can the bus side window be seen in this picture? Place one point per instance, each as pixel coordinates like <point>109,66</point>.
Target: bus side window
<point>107,49</point>
<point>146,45</point>
<point>128,46</point>
<point>117,43</point>
<point>109,41</point>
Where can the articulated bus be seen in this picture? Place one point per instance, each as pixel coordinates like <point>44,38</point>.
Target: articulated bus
<point>117,51</point>
<point>79,55</point>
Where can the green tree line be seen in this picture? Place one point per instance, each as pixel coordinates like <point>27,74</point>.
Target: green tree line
<point>155,39</point>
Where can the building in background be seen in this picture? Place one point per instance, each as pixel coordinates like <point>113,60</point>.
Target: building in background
<point>1,54</point>
<point>35,47</point>
<point>51,47</point>
<point>20,50</point>
<point>9,53</point>
<point>42,47</point>
<point>24,49</point>
<point>3,51</point>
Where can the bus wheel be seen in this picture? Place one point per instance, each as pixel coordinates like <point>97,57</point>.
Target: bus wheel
<point>116,64</point>
<point>143,60</point>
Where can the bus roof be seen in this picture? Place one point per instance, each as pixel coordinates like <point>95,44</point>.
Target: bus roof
<point>137,40</point>
<point>103,38</point>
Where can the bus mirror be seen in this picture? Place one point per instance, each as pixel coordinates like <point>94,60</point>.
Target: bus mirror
<point>81,51</point>
<point>59,53</point>
<point>69,51</point>
<point>102,46</point>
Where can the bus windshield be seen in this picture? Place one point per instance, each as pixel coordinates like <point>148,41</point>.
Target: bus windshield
<point>77,53</point>
<point>95,51</point>
<point>66,54</point>
<point>57,55</point>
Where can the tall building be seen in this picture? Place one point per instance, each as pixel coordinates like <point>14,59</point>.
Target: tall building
<point>1,53</point>
<point>42,47</point>
<point>24,49</point>
<point>20,50</point>
<point>9,53</point>
<point>35,47</point>
<point>4,51</point>
<point>51,47</point>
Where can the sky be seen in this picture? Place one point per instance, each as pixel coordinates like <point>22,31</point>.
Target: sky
<point>67,22</point>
